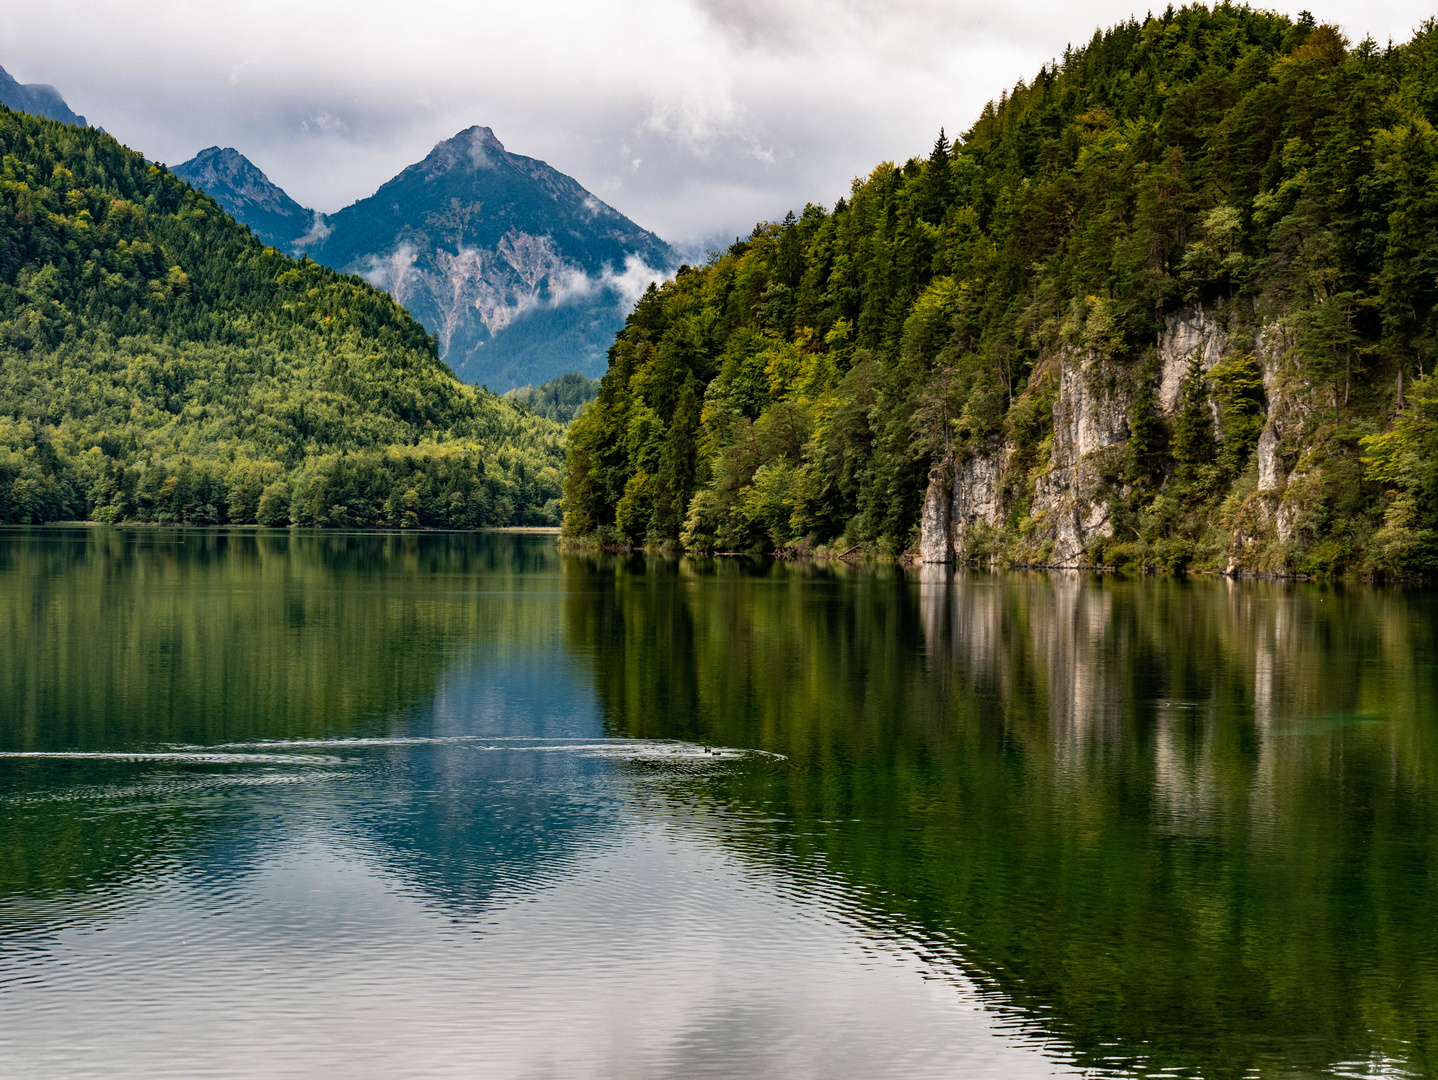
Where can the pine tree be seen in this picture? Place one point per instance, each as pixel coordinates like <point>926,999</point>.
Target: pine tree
<point>936,189</point>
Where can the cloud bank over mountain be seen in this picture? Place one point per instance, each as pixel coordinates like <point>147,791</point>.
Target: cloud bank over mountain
<point>692,117</point>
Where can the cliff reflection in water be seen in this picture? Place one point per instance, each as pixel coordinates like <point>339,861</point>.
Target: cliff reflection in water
<point>1175,824</point>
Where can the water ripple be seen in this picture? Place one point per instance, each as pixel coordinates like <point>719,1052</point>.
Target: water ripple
<point>192,757</point>
<point>621,749</point>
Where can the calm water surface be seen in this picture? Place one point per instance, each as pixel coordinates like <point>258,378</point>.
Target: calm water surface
<point>421,806</point>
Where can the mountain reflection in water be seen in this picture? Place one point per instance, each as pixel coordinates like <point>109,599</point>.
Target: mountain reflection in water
<point>318,804</point>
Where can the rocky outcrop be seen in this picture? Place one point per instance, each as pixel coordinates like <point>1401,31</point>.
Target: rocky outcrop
<point>961,503</point>
<point>1070,505</point>
<point>976,496</point>
<point>1186,333</point>
<point>1285,411</point>
<point>1075,486</point>
<point>936,540</point>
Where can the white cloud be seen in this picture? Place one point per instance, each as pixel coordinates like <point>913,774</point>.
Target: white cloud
<point>318,231</point>
<point>737,109</point>
<point>325,122</point>
<point>394,272</point>
<point>570,284</point>
<point>631,282</point>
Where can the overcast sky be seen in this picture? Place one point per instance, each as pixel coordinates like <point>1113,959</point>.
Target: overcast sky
<point>694,117</point>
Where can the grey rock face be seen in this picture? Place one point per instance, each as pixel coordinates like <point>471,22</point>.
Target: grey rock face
<point>1271,476</point>
<point>1287,408</point>
<point>976,493</point>
<point>961,498</point>
<point>1070,508</point>
<point>1090,415</point>
<point>1185,333</point>
<point>936,541</point>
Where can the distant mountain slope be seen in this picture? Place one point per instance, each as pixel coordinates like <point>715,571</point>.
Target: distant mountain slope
<point>36,98</point>
<point>519,271</point>
<point>159,363</point>
<point>233,181</point>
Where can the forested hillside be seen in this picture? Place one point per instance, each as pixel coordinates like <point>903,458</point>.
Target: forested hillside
<point>158,363</point>
<point>1171,303</point>
<point>558,399</point>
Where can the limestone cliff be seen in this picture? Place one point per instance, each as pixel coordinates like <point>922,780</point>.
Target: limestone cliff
<point>980,504</point>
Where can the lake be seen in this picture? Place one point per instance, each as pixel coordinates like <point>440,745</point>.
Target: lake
<point>314,804</point>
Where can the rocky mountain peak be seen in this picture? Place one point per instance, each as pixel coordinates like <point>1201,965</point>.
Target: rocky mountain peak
<point>473,149</point>
<point>248,194</point>
<point>232,168</point>
<point>518,271</point>
<point>480,136</point>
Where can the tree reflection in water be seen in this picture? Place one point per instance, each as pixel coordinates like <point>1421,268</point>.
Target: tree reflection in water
<point>1176,824</point>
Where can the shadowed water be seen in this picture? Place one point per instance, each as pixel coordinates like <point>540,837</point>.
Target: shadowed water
<point>392,806</point>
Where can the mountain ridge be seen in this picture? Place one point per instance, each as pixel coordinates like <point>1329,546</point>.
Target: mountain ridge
<point>38,99</point>
<point>251,198</point>
<point>515,267</point>
<point>520,272</point>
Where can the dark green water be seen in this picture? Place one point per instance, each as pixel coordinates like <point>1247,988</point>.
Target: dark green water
<point>328,805</point>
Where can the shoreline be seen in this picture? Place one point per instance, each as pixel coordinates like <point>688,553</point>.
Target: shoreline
<point>851,557</point>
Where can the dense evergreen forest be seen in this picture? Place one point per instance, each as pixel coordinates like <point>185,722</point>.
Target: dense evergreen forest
<point>158,363</point>
<point>1262,176</point>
